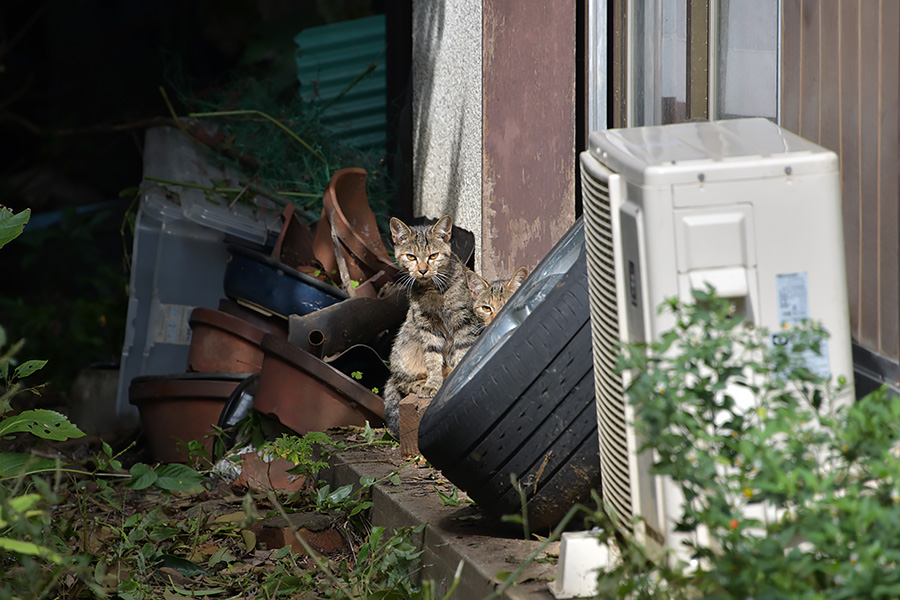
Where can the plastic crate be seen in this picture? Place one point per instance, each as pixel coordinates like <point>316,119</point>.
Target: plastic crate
<point>179,256</point>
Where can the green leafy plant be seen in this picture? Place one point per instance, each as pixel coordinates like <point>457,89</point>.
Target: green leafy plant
<point>24,518</point>
<point>74,312</point>
<point>307,451</point>
<point>12,224</point>
<point>173,477</point>
<point>451,499</point>
<point>739,423</point>
<point>46,424</point>
<point>384,564</point>
<point>358,375</point>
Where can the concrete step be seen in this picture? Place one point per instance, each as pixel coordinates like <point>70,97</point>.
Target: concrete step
<point>489,551</point>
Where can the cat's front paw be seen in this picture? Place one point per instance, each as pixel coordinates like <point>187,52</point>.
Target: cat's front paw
<point>427,390</point>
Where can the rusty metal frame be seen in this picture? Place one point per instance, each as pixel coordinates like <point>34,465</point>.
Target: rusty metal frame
<point>698,90</point>
<point>619,60</point>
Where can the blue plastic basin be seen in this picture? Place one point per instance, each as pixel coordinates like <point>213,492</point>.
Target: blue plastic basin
<point>257,280</point>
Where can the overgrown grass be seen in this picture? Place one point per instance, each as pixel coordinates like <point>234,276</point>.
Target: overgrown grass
<point>154,531</point>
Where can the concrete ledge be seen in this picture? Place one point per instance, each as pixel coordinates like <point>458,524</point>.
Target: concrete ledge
<point>451,534</point>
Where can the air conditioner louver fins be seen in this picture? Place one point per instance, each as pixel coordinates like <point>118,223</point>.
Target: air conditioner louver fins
<point>605,336</point>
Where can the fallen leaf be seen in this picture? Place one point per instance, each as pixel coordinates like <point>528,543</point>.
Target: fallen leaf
<point>249,539</point>
<point>173,576</point>
<point>183,565</point>
<point>234,517</point>
<point>222,555</point>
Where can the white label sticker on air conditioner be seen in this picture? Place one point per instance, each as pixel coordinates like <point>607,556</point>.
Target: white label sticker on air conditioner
<point>793,298</point>
<point>171,326</point>
<point>793,307</point>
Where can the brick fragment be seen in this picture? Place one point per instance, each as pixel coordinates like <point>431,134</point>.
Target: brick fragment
<point>411,410</point>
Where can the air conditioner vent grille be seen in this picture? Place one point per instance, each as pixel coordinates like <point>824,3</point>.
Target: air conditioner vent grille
<point>614,458</point>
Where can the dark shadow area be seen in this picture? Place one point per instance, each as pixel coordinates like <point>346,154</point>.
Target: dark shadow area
<point>80,82</point>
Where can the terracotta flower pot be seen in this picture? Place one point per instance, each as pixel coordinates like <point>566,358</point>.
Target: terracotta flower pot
<point>258,473</point>
<point>176,409</point>
<point>270,324</point>
<point>349,225</point>
<point>307,394</point>
<point>222,343</point>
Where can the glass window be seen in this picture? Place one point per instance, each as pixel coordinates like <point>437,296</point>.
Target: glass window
<point>741,72</point>
<point>659,51</point>
<point>747,59</point>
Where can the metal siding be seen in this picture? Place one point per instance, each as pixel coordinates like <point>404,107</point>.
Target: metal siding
<point>890,177</point>
<point>809,70</point>
<point>848,96</point>
<point>841,88</point>
<point>791,35</point>
<point>869,201</point>
<point>329,59</point>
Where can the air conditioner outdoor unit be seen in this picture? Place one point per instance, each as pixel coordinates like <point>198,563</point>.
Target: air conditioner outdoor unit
<point>741,204</point>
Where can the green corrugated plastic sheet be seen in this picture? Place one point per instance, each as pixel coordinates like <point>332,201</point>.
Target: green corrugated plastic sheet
<point>331,57</point>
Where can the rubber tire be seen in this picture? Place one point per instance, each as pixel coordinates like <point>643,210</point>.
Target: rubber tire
<point>528,410</point>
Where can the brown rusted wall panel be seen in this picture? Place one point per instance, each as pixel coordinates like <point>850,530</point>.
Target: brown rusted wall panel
<point>618,59</point>
<point>841,88</point>
<point>528,130</point>
<point>697,59</point>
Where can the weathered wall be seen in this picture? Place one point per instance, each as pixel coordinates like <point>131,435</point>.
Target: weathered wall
<point>447,112</point>
<point>494,123</point>
<point>528,128</point>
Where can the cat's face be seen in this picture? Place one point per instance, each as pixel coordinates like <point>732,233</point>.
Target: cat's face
<point>489,298</point>
<point>422,252</point>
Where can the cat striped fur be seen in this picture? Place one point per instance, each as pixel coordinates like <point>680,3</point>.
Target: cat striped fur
<point>489,298</point>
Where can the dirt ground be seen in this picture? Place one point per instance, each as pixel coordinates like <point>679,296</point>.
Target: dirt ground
<point>234,539</point>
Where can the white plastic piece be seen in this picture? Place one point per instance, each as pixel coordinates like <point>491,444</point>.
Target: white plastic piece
<point>581,556</point>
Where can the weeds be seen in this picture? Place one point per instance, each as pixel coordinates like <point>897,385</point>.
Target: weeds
<point>172,530</point>
<point>739,424</point>
<point>451,499</point>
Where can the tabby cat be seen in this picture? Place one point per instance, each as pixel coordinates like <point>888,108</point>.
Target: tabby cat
<point>490,297</point>
<point>440,325</point>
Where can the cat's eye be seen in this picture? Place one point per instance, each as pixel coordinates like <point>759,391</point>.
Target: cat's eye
<point>487,309</point>
<point>433,256</point>
<point>411,257</point>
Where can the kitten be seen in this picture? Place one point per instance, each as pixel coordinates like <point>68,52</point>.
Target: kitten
<point>489,298</point>
<point>440,325</point>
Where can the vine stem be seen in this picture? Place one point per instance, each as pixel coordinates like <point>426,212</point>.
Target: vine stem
<point>309,550</point>
<point>554,536</point>
<point>273,120</point>
<point>178,122</point>
<point>229,190</point>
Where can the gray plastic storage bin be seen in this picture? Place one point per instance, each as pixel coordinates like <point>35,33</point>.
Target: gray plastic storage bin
<point>179,257</point>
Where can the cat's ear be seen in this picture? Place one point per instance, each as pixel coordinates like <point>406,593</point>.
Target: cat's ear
<point>516,280</point>
<point>443,227</point>
<point>400,232</point>
<point>477,285</point>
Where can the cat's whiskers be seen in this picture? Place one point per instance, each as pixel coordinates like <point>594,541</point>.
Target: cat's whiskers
<point>406,282</point>
<point>442,281</point>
